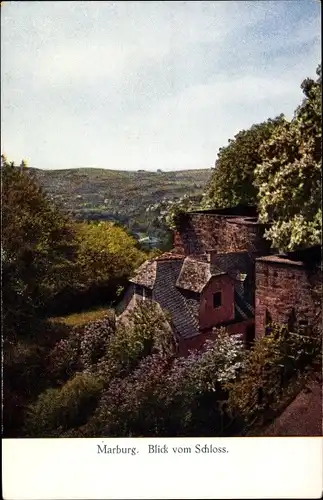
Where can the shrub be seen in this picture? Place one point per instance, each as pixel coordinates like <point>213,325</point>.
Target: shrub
<point>82,349</point>
<point>275,361</point>
<point>164,396</point>
<point>57,410</point>
<point>146,331</point>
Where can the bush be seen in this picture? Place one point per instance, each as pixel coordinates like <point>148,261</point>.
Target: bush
<point>81,350</point>
<point>272,365</point>
<point>145,332</point>
<point>94,340</point>
<point>57,410</point>
<point>164,396</point>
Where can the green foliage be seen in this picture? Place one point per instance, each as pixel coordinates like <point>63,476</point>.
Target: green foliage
<point>57,410</point>
<point>169,212</point>
<point>275,361</point>
<point>103,352</point>
<point>106,253</point>
<point>81,349</point>
<point>232,180</point>
<point>289,175</point>
<point>145,331</point>
<point>37,248</point>
<point>164,396</point>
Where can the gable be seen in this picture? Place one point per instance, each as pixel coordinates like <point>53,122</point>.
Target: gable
<point>195,275</point>
<point>145,274</point>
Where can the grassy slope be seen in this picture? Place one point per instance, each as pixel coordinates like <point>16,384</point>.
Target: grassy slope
<point>82,318</point>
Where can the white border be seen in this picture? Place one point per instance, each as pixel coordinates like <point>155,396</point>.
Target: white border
<point>73,469</point>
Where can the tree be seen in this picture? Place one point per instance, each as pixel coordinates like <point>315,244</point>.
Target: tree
<point>144,332</point>
<point>168,212</point>
<point>232,180</point>
<point>105,252</point>
<point>38,248</point>
<point>289,175</point>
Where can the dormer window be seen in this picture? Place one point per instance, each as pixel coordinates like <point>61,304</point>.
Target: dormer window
<point>217,300</point>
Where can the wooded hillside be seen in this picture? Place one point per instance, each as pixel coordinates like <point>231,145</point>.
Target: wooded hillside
<point>93,193</point>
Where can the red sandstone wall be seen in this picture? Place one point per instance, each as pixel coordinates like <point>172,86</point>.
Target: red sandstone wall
<point>244,236</point>
<point>210,316</point>
<point>198,233</point>
<point>201,232</point>
<point>196,343</point>
<point>279,289</point>
<point>240,328</point>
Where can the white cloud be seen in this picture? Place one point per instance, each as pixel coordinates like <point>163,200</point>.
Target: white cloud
<point>134,85</point>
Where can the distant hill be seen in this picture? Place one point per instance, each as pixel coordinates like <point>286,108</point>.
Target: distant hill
<point>123,196</point>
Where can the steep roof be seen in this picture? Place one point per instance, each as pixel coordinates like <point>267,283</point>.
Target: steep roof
<point>177,281</point>
<point>172,300</point>
<point>232,262</point>
<point>145,274</point>
<point>195,274</point>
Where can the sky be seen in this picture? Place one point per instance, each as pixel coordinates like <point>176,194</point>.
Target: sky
<point>147,85</point>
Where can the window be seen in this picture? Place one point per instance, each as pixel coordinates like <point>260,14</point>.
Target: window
<point>217,299</point>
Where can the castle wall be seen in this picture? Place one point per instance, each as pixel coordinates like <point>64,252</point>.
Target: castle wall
<point>282,287</point>
<point>196,343</point>
<point>200,232</point>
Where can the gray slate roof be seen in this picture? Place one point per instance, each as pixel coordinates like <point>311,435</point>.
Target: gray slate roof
<point>177,281</point>
<point>172,300</point>
<point>195,274</point>
<point>233,262</point>
<point>145,274</point>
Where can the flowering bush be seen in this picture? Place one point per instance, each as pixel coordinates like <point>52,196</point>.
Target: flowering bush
<point>166,396</point>
<point>81,350</point>
<point>169,212</point>
<point>289,175</point>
